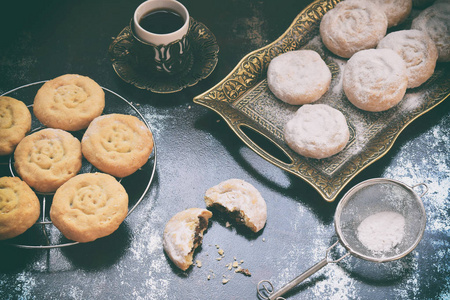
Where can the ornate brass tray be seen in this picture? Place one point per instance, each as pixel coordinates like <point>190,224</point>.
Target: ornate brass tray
<point>245,102</point>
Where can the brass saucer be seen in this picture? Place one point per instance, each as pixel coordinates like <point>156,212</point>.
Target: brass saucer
<point>203,61</point>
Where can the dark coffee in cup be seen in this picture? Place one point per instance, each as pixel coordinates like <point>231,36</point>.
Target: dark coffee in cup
<point>162,21</point>
<point>160,28</point>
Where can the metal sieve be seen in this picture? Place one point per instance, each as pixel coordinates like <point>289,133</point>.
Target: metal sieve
<point>360,202</point>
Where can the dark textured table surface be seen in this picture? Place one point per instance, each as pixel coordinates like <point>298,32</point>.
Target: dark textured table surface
<point>196,150</point>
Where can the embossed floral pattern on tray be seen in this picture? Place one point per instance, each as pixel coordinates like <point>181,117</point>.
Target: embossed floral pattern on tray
<point>243,99</point>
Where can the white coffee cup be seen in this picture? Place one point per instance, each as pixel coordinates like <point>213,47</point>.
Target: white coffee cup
<point>160,39</point>
<point>166,52</point>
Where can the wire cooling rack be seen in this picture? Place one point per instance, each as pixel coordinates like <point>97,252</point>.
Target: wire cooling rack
<point>43,234</point>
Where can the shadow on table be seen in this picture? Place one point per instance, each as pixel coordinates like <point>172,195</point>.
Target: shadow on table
<point>296,188</point>
<point>13,259</point>
<point>100,253</point>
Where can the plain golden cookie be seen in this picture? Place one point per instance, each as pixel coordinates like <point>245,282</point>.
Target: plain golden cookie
<point>19,207</point>
<point>117,144</point>
<point>435,21</point>
<point>15,122</point>
<point>241,200</point>
<point>47,158</point>
<point>89,206</point>
<point>417,50</point>
<point>375,79</point>
<point>298,77</point>
<point>317,131</point>
<point>69,102</point>
<point>351,26</point>
<point>183,234</point>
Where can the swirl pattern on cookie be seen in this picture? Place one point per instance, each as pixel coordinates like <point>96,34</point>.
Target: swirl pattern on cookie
<point>241,200</point>
<point>375,80</point>
<point>417,50</point>
<point>15,122</point>
<point>435,21</point>
<point>48,158</point>
<point>117,144</point>
<point>89,206</point>
<point>19,207</point>
<point>317,131</point>
<point>69,102</point>
<point>351,26</point>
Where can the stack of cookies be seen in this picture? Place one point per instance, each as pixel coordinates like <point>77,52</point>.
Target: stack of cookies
<point>379,70</point>
<point>85,206</point>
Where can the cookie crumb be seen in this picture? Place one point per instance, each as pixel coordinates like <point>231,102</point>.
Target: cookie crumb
<point>246,272</point>
<point>225,281</point>
<point>220,252</point>
<point>198,263</point>
<point>235,264</point>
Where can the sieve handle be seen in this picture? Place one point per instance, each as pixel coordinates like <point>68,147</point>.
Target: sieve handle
<point>289,286</point>
<point>425,188</point>
<point>299,279</point>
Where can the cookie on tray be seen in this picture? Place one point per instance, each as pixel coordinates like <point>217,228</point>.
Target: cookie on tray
<point>317,131</point>
<point>15,122</point>
<point>19,207</point>
<point>117,144</point>
<point>435,21</point>
<point>47,158</point>
<point>351,26</point>
<point>417,50</point>
<point>183,234</point>
<point>69,102</point>
<point>396,10</point>
<point>375,80</point>
<point>298,77</point>
<point>241,200</point>
<point>89,206</point>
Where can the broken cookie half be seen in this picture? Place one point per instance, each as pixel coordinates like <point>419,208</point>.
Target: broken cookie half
<point>183,234</point>
<point>241,200</point>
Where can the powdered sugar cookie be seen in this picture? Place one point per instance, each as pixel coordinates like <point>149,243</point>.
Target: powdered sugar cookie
<point>435,21</point>
<point>375,79</point>
<point>117,144</point>
<point>47,158</point>
<point>298,77</point>
<point>351,26</point>
<point>69,102</point>
<point>242,200</point>
<point>15,122</point>
<point>19,207</point>
<point>396,10</point>
<point>89,206</point>
<point>317,131</point>
<point>183,234</point>
<point>417,50</point>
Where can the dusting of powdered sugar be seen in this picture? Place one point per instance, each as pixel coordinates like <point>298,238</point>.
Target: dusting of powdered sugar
<point>155,120</point>
<point>382,231</point>
<point>148,244</point>
<point>25,284</point>
<point>413,167</point>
